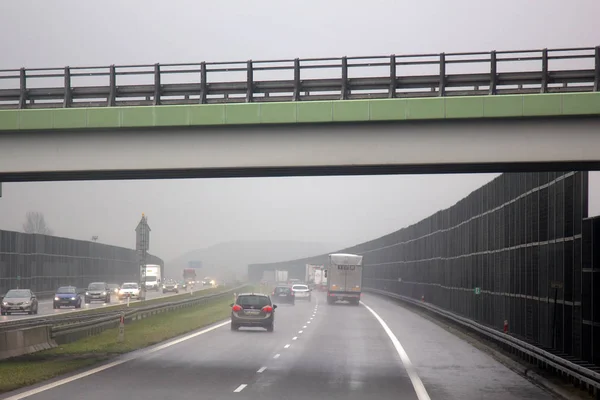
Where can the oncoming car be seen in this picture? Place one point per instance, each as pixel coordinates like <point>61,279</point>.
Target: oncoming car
<point>129,289</point>
<point>67,296</point>
<point>19,300</point>
<point>97,291</point>
<point>253,310</point>
<point>170,286</point>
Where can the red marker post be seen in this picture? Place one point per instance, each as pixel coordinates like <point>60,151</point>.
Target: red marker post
<point>121,337</point>
<point>505,326</point>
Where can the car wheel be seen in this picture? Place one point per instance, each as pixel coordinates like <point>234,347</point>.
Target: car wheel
<point>270,327</point>
<point>108,299</point>
<point>7,313</point>
<point>234,327</point>
<point>36,310</point>
<point>164,291</point>
<point>87,301</point>
<point>30,312</point>
<point>2,313</point>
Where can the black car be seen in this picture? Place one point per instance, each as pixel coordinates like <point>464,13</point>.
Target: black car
<point>284,294</point>
<point>97,291</point>
<point>67,296</point>
<point>254,310</point>
<point>19,300</point>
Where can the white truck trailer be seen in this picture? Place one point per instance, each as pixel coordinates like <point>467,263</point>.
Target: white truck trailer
<point>344,278</point>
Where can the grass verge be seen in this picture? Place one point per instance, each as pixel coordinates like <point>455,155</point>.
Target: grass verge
<point>27,370</point>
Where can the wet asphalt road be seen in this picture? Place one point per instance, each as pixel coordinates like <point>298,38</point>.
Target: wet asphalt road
<point>45,306</point>
<point>316,351</point>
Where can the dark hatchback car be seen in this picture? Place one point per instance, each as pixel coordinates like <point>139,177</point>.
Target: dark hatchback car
<point>67,296</point>
<point>19,300</point>
<point>97,291</point>
<point>253,310</point>
<point>284,294</point>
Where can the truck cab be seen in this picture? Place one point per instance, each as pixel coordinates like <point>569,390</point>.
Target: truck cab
<point>344,278</point>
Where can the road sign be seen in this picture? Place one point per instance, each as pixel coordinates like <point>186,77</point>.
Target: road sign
<point>556,285</point>
<point>477,290</point>
<point>142,235</point>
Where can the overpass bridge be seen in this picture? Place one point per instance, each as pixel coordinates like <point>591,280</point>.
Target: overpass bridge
<point>453,112</point>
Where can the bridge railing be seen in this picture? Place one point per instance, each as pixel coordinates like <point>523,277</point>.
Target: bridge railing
<point>345,78</point>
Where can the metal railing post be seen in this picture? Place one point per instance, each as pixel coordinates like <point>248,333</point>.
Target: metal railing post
<point>493,72</point>
<point>156,84</point>
<point>597,69</point>
<point>544,83</point>
<point>112,91</point>
<point>203,83</point>
<point>344,90</point>
<point>442,84</point>
<point>297,87</point>
<point>249,82</point>
<point>392,92</point>
<point>22,87</point>
<point>67,95</point>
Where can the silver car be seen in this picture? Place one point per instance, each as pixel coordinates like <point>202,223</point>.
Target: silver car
<point>19,300</point>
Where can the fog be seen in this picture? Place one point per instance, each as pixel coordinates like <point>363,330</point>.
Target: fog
<point>336,211</point>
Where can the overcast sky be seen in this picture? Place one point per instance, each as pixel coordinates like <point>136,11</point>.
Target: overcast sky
<point>190,214</point>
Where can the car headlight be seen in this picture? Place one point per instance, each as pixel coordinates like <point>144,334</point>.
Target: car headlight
<point>25,303</point>
<point>4,303</point>
<point>73,298</point>
<point>164,286</point>
<point>56,299</point>
<point>103,293</point>
<point>87,293</point>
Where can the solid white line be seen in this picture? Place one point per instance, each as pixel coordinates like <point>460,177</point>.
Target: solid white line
<point>240,388</point>
<point>261,370</point>
<point>295,337</point>
<point>276,355</point>
<point>112,364</point>
<point>410,369</point>
<point>287,346</point>
<point>300,331</point>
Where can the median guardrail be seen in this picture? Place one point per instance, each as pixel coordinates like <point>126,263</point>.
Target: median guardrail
<point>578,374</point>
<point>67,333</point>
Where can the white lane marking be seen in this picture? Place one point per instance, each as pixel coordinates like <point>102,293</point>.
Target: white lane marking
<point>276,355</point>
<point>261,370</point>
<point>304,327</point>
<point>287,346</point>
<point>308,322</point>
<point>295,337</point>
<point>92,371</point>
<point>300,331</point>
<point>240,388</point>
<point>410,369</point>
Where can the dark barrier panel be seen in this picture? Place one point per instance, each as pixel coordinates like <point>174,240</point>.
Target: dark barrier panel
<point>496,255</point>
<point>43,263</point>
<point>590,293</point>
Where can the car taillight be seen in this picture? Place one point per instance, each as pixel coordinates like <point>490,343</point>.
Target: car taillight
<point>292,294</point>
<point>273,294</point>
<point>236,308</point>
<point>267,309</point>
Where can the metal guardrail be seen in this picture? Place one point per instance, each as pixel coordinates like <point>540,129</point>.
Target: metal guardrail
<point>344,78</point>
<point>562,365</point>
<point>66,333</point>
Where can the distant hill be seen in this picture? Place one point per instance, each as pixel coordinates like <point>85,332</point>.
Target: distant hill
<point>231,259</point>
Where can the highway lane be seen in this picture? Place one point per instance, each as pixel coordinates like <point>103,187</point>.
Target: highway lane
<point>316,351</point>
<point>45,306</point>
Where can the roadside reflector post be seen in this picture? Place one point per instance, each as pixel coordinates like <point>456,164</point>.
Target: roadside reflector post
<point>505,326</point>
<point>128,297</point>
<point>121,337</point>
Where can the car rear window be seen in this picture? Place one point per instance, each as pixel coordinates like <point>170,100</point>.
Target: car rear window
<point>250,300</point>
<point>282,290</point>
<point>300,287</point>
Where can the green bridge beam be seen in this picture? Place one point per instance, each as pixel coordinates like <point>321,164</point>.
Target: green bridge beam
<point>468,107</point>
